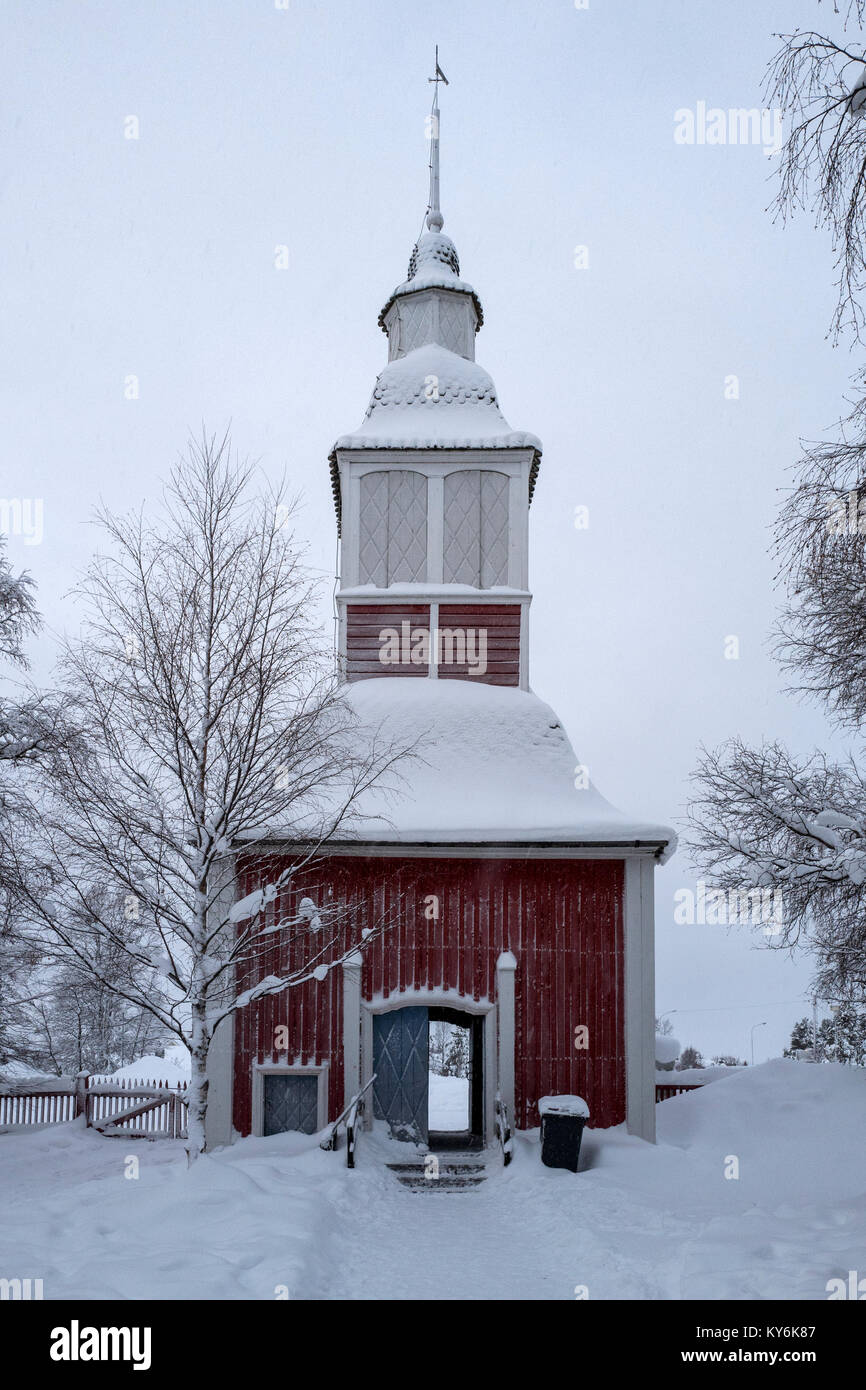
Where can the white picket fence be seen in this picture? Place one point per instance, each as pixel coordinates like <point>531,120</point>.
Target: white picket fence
<point>116,1107</point>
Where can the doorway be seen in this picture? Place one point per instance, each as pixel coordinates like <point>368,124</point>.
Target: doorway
<point>431,1094</point>
<point>455,1084</point>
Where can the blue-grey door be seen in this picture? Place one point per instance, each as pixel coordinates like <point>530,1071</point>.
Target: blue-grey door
<point>291,1102</point>
<point>400,1048</point>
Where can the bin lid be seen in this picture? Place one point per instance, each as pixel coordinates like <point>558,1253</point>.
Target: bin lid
<point>563,1105</point>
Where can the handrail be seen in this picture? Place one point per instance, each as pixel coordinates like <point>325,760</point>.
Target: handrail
<point>503,1131</point>
<point>349,1118</point>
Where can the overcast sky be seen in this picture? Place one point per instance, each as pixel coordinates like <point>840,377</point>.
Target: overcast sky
<point>303,127</point>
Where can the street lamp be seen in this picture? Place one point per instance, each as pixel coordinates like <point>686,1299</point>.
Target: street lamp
<point>754,1026</point>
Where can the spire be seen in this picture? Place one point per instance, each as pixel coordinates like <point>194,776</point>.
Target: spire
<point>435,220</point>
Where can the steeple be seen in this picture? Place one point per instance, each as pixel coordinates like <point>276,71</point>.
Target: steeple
<point>433,305</point>
<point>433,488</point>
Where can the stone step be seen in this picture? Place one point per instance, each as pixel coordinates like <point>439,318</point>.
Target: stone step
<point>452,1168</point>
<point>452,1177</point>
<point>440,1184</point>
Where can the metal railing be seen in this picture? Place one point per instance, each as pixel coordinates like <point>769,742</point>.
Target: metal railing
<point>350,1117</point>
<point>503,1130</point>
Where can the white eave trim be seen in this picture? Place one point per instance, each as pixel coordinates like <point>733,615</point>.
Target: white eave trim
<point>486,849</point>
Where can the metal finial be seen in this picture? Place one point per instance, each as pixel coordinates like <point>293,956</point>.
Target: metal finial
<point>435,220</point>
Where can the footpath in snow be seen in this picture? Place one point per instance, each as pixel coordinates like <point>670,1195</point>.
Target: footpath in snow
<point>275,1217</point>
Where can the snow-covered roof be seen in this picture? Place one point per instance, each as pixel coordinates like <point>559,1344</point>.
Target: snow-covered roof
<point>492,765</point>
<point>434,399</point>
<point>433,265</point>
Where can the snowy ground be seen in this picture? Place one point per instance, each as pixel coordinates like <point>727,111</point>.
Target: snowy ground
<point>448,1103</point>
<point>637,1222</point>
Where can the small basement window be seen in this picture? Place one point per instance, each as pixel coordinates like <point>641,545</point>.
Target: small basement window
<point>290,1102</point>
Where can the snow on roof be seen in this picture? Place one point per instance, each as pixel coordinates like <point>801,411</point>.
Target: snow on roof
<point>491,764</point>
<point>434,264</point>
<point>435,399</point>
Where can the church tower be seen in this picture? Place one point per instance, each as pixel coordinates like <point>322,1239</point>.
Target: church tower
<point>520,902</point>
<point>433,491</point>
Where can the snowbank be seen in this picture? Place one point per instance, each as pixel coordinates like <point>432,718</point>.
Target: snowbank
<point>173,1067</point>
<point>756,1190</point>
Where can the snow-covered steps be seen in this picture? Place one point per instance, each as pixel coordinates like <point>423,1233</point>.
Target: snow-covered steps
<point>432,1174</point>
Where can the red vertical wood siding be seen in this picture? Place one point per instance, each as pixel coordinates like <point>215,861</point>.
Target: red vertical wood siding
<point>500,623</point>
<point>364,623</point>
<point>562,919</point>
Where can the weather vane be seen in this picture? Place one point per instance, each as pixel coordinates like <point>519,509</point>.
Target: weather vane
<point>440,76</point>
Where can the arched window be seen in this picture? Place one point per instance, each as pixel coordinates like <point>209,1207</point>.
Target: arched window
<point>393,528</point>
<point>476,528</point>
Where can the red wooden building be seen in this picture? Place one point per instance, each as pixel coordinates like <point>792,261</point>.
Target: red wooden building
<point>520,902</point>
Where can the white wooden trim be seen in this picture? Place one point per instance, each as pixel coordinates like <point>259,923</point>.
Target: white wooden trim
<point>220,1057</point>
<point>351,1029</point>
<point>421,593</point>
<point>220,1076</point>
<point>640,998</point>
<point>433,668</point>
<point>351,528</point>
<point>506,967</point>
<point>435,527</point>
<point>262,1069</point>
<point>396,849</point>
<point>523,671</point>
<point>435,461</point>
<point>518,530</point>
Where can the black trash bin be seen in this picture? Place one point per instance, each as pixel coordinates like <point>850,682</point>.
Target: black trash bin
<point>562,1122</point>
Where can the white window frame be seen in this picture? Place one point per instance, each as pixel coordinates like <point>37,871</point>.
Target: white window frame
<point>353,468</point>
<point>263,1069</point>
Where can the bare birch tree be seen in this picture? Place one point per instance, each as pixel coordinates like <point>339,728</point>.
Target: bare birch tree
<point>819,81</point>
<point>208,716</point>
<point>32,728</point>
<point>763,817</point>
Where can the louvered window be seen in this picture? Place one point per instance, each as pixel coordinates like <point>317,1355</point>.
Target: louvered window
<point>476,528</point>
<point>393,528</point>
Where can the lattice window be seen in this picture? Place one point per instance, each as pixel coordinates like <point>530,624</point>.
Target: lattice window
<point>414,325</point>
<point>454,330</point>
<point>393,528</point>
<point>290,1102</point>
<point>476,528</point>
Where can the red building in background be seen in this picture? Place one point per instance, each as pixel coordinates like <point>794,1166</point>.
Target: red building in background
<point>520,902</point>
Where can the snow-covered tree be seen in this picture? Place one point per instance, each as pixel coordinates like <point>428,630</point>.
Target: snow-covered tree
<point>208,711</point>
<point>819,82</point>
<point>690,1059</point>
<point>69,1019</point>
<point>32,727</point>
<point>840,1038</point>
<point>763,817</point>
<point>448,1049</point>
